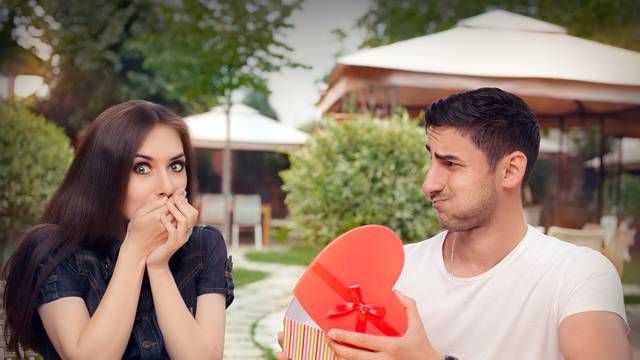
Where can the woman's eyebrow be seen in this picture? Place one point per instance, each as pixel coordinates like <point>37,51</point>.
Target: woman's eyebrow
<point>150,158</point>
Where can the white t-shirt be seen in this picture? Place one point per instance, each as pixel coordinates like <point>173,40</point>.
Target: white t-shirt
<point>513,310</point>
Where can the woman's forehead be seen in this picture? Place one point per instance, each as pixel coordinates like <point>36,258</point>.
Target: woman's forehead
<point>161,139</point>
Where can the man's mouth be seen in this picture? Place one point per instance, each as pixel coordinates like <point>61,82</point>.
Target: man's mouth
<point>436,201</point>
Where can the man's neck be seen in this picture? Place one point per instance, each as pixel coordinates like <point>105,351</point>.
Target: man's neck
<point>479,249</point>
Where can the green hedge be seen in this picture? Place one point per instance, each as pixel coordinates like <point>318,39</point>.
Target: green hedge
<point>34,156</point>
<point>364,171</point>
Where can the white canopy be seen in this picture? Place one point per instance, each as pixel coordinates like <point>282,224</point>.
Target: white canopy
<point>250,130</point>
<point>557,74</point>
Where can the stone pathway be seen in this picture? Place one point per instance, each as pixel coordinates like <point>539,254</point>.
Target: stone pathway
<point>255,302</point>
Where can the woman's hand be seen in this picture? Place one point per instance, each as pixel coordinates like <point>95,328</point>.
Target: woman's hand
<point>145,230</point>
<point>178,224</point>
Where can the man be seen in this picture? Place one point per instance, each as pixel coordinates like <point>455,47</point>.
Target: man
<point>490,286</point>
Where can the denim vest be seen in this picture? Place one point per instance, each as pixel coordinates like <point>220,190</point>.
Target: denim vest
<point>201,266</point>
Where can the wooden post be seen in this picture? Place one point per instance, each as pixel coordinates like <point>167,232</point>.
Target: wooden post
<point>266,224</point>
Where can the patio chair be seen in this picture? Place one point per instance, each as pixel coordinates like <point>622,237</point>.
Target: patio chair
<point>591,226</point>
<point>589,238</point>
<point>247,211</point>
<point>617,250</point>
<point>212,209</point>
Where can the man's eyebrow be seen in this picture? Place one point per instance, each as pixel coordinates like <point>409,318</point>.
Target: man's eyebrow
<point>147,157</point>
<point>445,157</point>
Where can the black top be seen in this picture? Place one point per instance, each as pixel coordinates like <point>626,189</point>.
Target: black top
<point>201,266</point>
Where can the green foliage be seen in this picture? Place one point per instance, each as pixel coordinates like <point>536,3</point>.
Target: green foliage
<point>185,54</point>
<point>260,102</point>
<point>629,206</point>
<point>365,171</point>
<point>34,156</point>
<point>201,51</point>
<point>612,22</point>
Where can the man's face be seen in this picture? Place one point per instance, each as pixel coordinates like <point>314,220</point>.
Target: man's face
<point>460,182</point>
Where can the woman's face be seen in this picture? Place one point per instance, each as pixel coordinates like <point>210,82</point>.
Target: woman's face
<point>158,169</point>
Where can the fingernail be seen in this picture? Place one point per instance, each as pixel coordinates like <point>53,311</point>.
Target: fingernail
<point>332,334</point>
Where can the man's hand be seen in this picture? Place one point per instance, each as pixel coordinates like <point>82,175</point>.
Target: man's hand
<point>280,355</point>
<point>414,344</point>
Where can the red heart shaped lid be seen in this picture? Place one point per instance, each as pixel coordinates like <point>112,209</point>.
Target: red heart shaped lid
<point>349,284</point>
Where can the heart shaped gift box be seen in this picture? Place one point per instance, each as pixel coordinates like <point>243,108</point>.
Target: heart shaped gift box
<point>347,286</point>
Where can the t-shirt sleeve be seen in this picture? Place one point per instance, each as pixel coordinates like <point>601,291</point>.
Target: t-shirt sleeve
<point>592,284</point>
<point>63,281</point>
<point>215,276</point>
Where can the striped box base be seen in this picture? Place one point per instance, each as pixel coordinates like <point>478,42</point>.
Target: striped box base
<point>304,342</point>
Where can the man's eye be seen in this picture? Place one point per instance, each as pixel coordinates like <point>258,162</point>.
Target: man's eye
<point>177,166</point>
<point>451,164</point>
<point>142,169</point>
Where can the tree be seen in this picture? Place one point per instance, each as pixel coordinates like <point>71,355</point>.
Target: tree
<point>202,51</point>
<point>612,22</point>
<point>185,54</point>
<point>260,102</point>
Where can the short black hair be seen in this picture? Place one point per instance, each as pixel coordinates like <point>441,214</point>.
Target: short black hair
<point>498,123</point>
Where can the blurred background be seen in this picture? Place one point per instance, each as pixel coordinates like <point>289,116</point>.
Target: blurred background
<point>306,117</point>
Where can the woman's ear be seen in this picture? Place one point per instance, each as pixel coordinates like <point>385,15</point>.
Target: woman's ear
<point>513,167</point>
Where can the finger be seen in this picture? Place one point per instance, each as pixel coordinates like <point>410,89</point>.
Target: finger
<point>167,224</point>
<point>158,212</point>
<point>364,341</point>
<point>413,316</point>
<point>280,337</point>
<point>177,215</point>
<point>186,209</point>
<point>347,352</point>
<point>153,205</point>
<point>281,356</point>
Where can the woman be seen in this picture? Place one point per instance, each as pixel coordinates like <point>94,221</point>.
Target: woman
<point>116,268</point>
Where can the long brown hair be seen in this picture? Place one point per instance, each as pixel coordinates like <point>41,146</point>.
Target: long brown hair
<point>87,209</point>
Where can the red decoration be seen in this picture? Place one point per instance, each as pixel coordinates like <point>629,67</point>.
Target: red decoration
<point>349,284</point>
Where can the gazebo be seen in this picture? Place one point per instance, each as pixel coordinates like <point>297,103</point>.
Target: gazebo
<point>568,81</point>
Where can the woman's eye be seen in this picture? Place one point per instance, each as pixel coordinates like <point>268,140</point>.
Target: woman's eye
<point>177,166</point>
<point>142,169</point>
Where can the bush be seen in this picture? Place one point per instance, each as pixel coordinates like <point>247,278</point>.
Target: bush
<point>34,156</point>
<point>629,205</point>
<point>364,171</point>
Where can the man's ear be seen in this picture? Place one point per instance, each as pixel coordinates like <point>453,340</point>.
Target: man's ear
<point>512,169</point>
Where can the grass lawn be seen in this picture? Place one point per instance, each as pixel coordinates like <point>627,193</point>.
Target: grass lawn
<point>242,277</point>
<point>631,273</point>
<point>297,255</point>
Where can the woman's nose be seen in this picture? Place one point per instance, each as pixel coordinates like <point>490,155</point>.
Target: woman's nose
<point>165,184</point>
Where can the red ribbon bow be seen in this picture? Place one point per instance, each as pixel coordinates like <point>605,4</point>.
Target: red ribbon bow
<point>356,304</point>
<point>352,296</point>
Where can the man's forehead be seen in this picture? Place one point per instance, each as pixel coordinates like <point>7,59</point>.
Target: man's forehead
<point>435,134</point>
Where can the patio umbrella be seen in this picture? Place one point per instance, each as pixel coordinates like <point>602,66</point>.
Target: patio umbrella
<point>250,130</point>
<point>559,75</point>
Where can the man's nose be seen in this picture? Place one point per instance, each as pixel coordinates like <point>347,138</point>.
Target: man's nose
<point>433,181</point>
